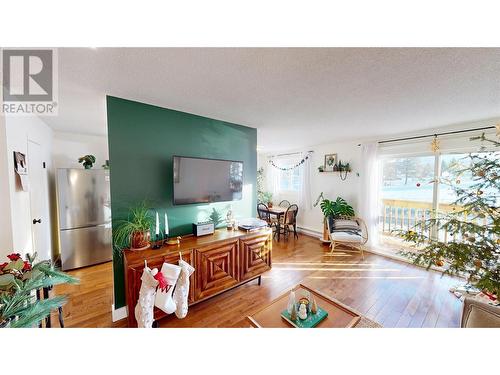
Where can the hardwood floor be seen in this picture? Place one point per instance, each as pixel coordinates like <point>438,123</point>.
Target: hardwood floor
<point>393,293</point>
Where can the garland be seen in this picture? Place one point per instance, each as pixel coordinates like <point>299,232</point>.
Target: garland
<point>292,167</point>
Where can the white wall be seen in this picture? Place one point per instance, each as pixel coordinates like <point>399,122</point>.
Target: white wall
<point>5,212</point>
<point>18,130</point>
<point>68,147</point>
<point>328,183</point>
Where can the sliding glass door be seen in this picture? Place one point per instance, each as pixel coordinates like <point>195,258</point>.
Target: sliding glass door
<point>407,192</point>
<point>411,192</point>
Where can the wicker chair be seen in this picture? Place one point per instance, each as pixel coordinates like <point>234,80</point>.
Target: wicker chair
<point>347,237</point>
<point>284,203</point>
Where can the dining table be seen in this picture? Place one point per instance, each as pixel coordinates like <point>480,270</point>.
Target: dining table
<point>277,211</point>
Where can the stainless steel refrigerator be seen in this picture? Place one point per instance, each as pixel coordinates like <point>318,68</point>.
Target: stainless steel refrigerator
<point>84,210</point>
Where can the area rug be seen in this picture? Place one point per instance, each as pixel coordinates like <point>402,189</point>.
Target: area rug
<point>367,323</point>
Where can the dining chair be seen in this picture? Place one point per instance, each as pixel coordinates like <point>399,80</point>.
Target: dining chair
<point>284,203</point>
<point>263,212</point>
<point>288,221</point>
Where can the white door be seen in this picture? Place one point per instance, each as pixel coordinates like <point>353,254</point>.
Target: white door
<point>39,204</point>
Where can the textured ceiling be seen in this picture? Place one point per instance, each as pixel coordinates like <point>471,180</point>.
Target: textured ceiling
<point>295,97</point>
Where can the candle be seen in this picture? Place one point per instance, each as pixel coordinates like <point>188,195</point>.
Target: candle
<point>157,224</point>
<point>166,224</point>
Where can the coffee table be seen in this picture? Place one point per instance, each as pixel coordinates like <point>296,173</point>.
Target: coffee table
<point>339,315</point>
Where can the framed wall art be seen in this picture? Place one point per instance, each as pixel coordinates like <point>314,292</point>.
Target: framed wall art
<point>330,161</point>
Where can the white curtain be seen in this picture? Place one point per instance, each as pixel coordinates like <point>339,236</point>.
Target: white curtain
<point>305,201</point>
<point>369,202</point>
<point>274,181</point>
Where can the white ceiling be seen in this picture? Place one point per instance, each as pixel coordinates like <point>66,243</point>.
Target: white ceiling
<point>294,97</point>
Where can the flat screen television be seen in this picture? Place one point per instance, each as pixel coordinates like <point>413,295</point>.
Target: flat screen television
<point>198,180</point>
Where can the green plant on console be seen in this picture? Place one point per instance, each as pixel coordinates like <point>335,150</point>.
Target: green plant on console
<point>216,217</point>
<point>138,224</point>
<point>87,161</point>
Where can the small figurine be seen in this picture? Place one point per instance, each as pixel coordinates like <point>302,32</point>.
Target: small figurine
<point>291,302</point>
<point>302,311</point>
<point>314,306</point>
<point>293,314</point>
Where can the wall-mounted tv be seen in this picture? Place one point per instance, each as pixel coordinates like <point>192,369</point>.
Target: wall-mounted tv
<point>198,180</point>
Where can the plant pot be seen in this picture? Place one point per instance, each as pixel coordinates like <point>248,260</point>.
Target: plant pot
<point>140,240</point>
<point>326,236</point>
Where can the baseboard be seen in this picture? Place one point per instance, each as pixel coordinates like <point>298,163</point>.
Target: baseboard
<point>309,232</point>
<point>118,314</point>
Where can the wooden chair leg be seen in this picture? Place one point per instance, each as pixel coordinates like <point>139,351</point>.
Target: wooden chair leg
<point>48,321</point>
<point>61,320</point>
<point>332,244</point>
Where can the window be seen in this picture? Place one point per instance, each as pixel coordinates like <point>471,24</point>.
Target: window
<point>289,180</point>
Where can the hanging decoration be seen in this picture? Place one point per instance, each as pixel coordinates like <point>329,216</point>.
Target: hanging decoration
<point>435,146</point>
<point>271,161</point>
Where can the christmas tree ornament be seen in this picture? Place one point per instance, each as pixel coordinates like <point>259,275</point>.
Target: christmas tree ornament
<point>435,146</point>
<point>144,307</point>
<point>181,291</point>
<point>418,184</point>
<point>478,263</point>
<point>164,300</point>
<point>439,263</point>
<point>471,239</point>
<point>479,192</point>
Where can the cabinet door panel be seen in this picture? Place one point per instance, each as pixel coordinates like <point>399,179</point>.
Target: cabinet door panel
<point>255,255</point>
<point>216,268</point>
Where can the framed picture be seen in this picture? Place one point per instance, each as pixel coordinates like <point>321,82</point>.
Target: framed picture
<point>330,161</point>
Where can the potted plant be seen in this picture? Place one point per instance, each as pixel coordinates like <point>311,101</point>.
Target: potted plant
<point>215,217</point>
<point>87,161</point>
<point>135,231</point>
<point>336,208</point>
<point>18,280</point>
<point>268,198</point>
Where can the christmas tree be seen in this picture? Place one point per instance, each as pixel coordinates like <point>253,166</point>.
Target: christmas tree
<point>473,225</point>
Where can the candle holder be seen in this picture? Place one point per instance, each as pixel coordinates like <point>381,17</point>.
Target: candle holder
<point>172,241</point>
<point>156,243</point>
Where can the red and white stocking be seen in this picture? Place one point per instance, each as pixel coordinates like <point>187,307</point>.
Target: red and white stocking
<point>164,300</point>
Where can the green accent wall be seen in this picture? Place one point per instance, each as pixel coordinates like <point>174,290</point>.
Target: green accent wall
<point>142,140</point>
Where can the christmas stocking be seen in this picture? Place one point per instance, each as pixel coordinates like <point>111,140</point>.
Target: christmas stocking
<point>164,300</point>
<point>144,308</point>
<point>182,289</point>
